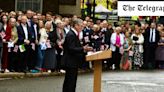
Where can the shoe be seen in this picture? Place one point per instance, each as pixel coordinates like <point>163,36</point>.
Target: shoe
<point>49,71</point>
<point>62,71</point>
<point>6,71</point>
<point>12,70</point>
<point>34,71</point>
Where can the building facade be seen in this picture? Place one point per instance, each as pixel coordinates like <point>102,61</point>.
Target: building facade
<point>56,6</point>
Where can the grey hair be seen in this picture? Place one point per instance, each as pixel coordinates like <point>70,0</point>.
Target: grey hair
<point>118,28</point>
<point>76,21</point>
<point>48,23</point>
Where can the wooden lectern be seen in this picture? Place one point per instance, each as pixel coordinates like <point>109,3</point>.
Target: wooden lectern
<point>97,58</point>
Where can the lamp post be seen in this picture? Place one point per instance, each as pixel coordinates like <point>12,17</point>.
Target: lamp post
<point>107,4</point>
<point>83,9</point>
<point>94,5</point>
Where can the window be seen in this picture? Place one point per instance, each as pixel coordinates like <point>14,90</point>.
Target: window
<point>23,5</point>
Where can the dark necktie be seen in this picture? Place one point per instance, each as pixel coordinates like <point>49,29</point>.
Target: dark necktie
<point>152,34</point>
<point>78,35</point>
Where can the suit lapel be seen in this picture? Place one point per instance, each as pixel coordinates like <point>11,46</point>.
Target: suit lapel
<point>22,31</point>
<point>76,37</point>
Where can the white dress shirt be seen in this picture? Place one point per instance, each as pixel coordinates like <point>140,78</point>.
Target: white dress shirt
<point>29,22</point>
<point>25,31</point>
<point>152,35</point>
<point>80,34</point>
<point>67,28</point>
<point>35,29</point>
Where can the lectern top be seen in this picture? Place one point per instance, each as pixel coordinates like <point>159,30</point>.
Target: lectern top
<point>100,55</point>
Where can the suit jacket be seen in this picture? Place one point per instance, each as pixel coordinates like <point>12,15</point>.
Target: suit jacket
<point>32,30</point>
<point>73,51</point>
<point>108,34</point>
<point>87,33</point>
<point>21,34</point>
<point>147,37</point>
<point>97,40</point>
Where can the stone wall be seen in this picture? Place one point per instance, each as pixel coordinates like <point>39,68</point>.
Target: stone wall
<point>70,9</point>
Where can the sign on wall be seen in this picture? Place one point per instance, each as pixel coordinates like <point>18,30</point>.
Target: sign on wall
<point>140,8</point>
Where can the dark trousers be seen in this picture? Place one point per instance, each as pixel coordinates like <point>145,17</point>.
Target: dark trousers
<point>24,59</point>
<point>13,60</point>
<point>1,50</point>
<point>70,80</point>
<point>22,63</point>
<point>116,57</point>
<point>85,64</point>
<point>58,56</point>
<point>150,56</point>
<point>5,56</point>
<point>109,63</point>
<point>32,58</point>
<point>160,64</point>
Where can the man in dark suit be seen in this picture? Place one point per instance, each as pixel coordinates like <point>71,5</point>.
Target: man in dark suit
<point>73,55</point>
<point>86,40</point>
<point>49,17</point>
<point>24,38</point>
<point>34,43</point>
<point>108,32</point>
<point>151,38</point>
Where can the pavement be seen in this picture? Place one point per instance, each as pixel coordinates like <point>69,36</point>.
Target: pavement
<point>112,81</point>
<point>21,75</point>
<point>40,74</point>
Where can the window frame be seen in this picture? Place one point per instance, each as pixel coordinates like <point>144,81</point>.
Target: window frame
<point>24,1</point>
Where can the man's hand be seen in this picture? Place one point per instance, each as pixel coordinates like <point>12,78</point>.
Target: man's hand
<point>87,48</point>
<point>37,42</point>
<point>4,40</point>
<point>161,44</point>
<point>27,42</point>
<point>117,45</point>
<point>61,47</point>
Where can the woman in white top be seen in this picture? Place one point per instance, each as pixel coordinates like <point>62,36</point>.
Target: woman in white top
<point>138,40</point>
<point>42,45</point>
<point>117,41</point>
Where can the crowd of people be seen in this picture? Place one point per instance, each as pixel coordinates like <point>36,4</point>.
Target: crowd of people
<point>33,42</point>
